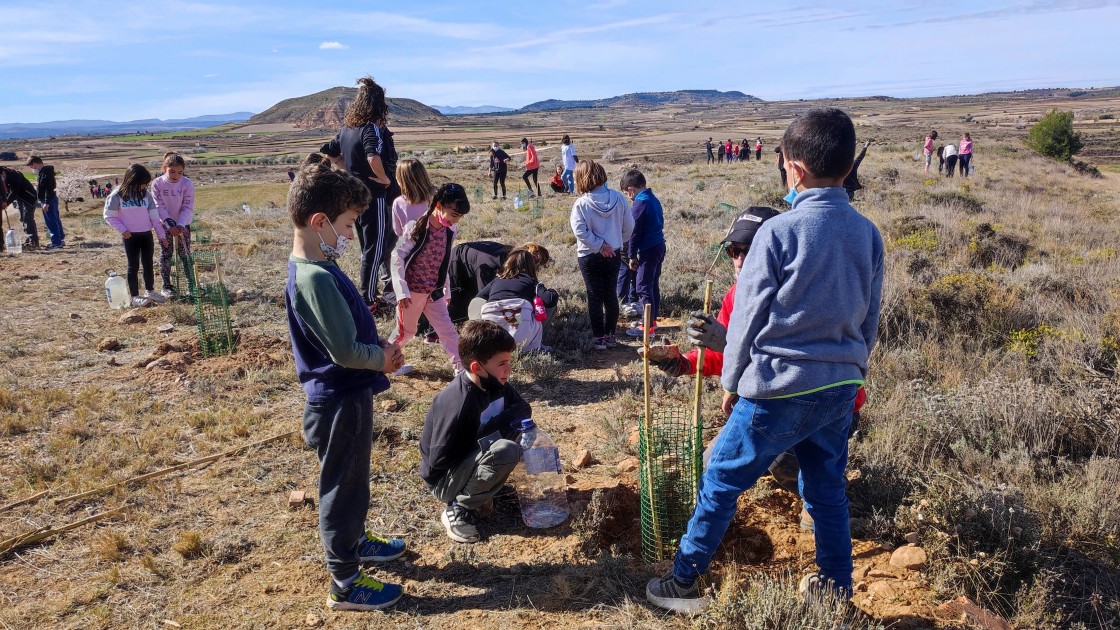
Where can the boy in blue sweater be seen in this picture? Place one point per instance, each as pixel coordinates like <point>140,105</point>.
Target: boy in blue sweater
<point>340,362</point>
<point>804,324</point>
<point>645,250</point>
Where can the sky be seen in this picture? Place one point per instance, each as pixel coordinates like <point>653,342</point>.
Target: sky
<point>114,60</point>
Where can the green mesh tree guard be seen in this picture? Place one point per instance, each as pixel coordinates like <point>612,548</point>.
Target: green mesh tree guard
<point>477,193</point>
<point>182,276</point>
<point>211,304</point>
<point>670,453</point>
<point>202,235</point>
<point>537,207</point>
<point>726,207</point>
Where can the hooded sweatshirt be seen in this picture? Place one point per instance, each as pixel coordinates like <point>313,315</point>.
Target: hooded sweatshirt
<point>174,200</point>
<point>131,216</point>
<point>600,217</point>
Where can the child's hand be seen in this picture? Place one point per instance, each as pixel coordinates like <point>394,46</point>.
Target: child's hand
<point>404,303</point>
<point>633,264</point>
<point>729,401</point>
<point>607,251</point>
<point>394,358</point>
<point>126,234</point>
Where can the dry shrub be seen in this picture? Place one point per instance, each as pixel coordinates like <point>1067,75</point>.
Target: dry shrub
<point>971,304</point>
<point>190,545</point>
<point>762,602</point>
<point>986,247</point>
<point>954,199</point>
<point>111,545</point>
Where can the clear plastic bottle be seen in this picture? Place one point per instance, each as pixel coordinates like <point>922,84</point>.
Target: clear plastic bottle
<point>116,291</point>
<point>538,479</point>
<point>12,242</point>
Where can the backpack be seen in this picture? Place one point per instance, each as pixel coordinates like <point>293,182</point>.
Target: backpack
<point>516,317</point>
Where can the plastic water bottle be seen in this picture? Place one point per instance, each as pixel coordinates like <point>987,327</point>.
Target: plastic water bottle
<point>12,242</point>
<point>539,312</point>
<point>520,203</point>
<point>538,480</point>
<point>116,291</point>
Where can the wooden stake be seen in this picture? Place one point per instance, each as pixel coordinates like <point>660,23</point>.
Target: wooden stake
<point>170,469</point>
<point>697,421</point>
<point>30,499</point>
<point>43,533</point>
<point>647,424</point>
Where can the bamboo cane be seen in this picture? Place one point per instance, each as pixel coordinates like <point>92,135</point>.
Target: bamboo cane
<point>646,423</point>
<point>697,422</point>
<point>43,533</point>
<point>170,469</point>
<point>30,499</point>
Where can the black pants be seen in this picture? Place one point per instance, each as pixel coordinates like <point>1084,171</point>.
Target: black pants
<point>950,165</point>
<point>525,176</point>
<point>374,227</point>
<point>783,172</point>
<point>499,178</point>
<point>758,154</point>
<point>139,248</point>
<point>600,275</point>
<point>27,219</point>
<point>384,272</point>
<point>711,157</point>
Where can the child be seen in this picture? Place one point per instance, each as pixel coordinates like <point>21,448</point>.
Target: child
<point>510,300</point>
<point>758,148</point>
<point>646,248</point>
<point>557,181</point>
<point>131,211</point>
<point>174,196</point>
<point>499,165</point>
<point>416,194</point>
<point>420,276</point>
<point>468,445</point>
<point>532,165</point>
<point>47,194</point>
<point>927,148</point>
<point>568,159</point>
<point>339,361</point>
<point>805,322</point>
<point>602,223</point>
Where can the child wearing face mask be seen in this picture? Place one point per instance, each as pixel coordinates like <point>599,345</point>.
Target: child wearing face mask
<point>419,266</point>
<point>131,211</point>
<point>340,361</point>
<point>174,196</point>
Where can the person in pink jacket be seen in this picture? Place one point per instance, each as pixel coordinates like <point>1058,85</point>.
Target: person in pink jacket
<point>131,210</point>
<point>532,165</point>
<point>173,193</point>
<point>965,154</point>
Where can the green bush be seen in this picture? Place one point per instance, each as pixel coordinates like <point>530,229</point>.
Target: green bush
<point>1053,136</point>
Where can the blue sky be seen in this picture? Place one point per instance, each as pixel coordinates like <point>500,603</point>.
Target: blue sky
<point>176,59</point>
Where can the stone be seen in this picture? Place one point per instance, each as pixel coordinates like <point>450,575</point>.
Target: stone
<point>132,318</point>
<point>583,459</point>
<point>160,363</point>
<point>569,479</point>
<point>298,499</point>
<point>165,328</point>
<point>629,464</point>
<point>912,558</point>
<point>912,538</point>
<point>388,405</point>
<point>882,590</point>
<point>861,587</point>
<point>75,316</point>
<point>108,344</point>
<point>313,620</point>
<point>974,614</point>
<point>635,437</point>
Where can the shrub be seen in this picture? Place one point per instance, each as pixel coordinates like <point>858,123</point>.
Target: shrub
<point>987,247</point>
<point>1053,136</point>
<point>8,156</point>
<point>612,154</point>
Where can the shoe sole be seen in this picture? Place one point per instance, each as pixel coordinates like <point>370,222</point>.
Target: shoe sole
<point>451,534</point>
<point>381,558</point>
<point>684,606</point>
<point>333,605</point>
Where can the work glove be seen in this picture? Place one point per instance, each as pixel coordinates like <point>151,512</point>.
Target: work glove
<point>704,330</point>
<point>674,366</point>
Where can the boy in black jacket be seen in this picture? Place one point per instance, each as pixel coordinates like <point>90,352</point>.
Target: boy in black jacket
<point>468,446</point>
<point>48,199</point>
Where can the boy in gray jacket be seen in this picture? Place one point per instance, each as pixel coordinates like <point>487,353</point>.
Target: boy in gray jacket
<point>805,322</point>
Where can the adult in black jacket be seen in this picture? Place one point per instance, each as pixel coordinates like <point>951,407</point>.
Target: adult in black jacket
<point>473,266</point>
<point>47,197</point>
<point>369,154</point>
<point>14,188</point>
<point>851,182</point>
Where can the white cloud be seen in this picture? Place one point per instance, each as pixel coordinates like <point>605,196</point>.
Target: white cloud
<point>333,46</point>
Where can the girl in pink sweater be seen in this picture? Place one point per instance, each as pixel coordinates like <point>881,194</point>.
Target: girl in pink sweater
<point>131,211</point>
<point>174,196</point>
<point>416,192</point>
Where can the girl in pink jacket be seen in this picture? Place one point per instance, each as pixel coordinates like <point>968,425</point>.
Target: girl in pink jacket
<point>131,211</point>
<point>173,193</point>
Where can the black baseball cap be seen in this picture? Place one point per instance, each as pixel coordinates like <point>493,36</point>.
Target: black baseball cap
<point>743,229</point>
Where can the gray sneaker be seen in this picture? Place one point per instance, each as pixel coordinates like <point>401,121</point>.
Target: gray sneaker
<point>459,522</point>
<point>665,592</point>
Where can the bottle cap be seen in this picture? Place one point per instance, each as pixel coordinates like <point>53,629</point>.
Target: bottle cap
<point>526,424</point>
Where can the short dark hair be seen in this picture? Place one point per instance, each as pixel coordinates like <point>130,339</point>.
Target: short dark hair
<point>480,340</point>
<point>34,159</point>
<point>319,188</point>
<point>824,140</point>
<point>632,177</point>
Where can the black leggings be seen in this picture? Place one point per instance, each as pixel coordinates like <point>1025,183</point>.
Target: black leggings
<point>139,248</point>
<point>499,177</point>
<point>600,275</point>
<point>525,176</point>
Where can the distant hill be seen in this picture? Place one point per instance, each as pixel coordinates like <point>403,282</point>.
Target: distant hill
<point>449,110</point>
<point>326,109</point>
<point>648,99</point>
<point>88,127</point>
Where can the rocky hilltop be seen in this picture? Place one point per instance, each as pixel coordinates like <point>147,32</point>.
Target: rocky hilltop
<point>325,110</point>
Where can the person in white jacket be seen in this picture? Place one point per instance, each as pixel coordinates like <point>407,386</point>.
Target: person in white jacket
<point>131,210</point>
<point>419,268</point>
<point>602,222</point>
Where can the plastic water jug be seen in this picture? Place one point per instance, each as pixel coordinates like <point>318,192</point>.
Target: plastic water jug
<point>116,291</point>
<point>538,480</point>
<point>520,203</point>
<point>12,242</point>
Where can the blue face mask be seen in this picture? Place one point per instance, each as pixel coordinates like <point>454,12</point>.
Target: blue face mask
<point>790,196</point>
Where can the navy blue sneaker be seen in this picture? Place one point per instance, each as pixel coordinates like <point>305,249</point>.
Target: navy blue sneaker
<point>365,593</point>
<point>377,549</point>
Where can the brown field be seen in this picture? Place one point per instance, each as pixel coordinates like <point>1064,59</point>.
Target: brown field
<point>992,431</point>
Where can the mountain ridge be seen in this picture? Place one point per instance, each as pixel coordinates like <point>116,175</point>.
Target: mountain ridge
<point>96,126</point>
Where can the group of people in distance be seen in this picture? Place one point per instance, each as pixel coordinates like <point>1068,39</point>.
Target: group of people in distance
<point>791,343</point>
<point>16,189</point>
<point>949,156</point>
<point>731,151</point>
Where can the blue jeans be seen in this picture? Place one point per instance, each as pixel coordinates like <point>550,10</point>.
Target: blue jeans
<point>53,222</point>
<point>569,178</point>
<point>627,290</point>
<point>647,279</point>
<point>815,428</point>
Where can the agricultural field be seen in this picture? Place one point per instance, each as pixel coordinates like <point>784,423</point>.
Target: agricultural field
<point>990,440</point>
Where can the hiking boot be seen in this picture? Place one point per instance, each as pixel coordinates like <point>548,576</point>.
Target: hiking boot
<point>459,523</point>
<point>365,593</point>
<point>600,343</point>
<point>377,549</point>
<point>666,592</point>
<point>154,297</point>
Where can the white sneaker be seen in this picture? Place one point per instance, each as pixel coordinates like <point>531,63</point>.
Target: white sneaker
<point>404,370</point>
<point>140,302</point>
<point>167,293</point>
<point>155,297</point>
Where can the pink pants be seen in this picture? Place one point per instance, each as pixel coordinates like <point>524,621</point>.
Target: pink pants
<point>436,312</point>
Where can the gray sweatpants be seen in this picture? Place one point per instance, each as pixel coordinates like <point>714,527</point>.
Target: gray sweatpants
<point>341,432</point>
<point>479,476</point>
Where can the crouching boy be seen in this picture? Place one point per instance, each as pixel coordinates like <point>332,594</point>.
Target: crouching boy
<point>340,363</point>
<point>468,447</point>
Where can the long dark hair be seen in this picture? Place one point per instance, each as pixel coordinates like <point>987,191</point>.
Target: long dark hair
<point>446,195</point>
<point>133,183</point>
<point>368,107</point>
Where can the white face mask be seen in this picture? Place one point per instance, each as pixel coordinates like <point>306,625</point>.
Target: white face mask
<point>340,245</point>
